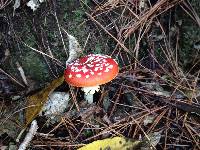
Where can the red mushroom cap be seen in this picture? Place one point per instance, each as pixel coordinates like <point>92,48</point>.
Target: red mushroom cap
<point>91,70</point>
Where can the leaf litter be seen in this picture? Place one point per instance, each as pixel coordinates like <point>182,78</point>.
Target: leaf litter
<point>163,104</point>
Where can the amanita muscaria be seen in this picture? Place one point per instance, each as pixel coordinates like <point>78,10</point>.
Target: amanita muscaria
<point>89,72</point>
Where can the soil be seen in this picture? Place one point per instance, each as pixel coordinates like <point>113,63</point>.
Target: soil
<point>32,39</point>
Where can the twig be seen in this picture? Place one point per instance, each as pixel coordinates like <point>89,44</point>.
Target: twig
<point>29,136</point>
<point>12,78</point>
<point>21,71</point>
<point>40,52</point>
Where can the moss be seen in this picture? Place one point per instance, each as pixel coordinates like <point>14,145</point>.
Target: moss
<point>35,67</point>
<point>190,32</point>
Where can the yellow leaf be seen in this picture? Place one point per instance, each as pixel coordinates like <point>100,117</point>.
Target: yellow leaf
<point>115,143</point>
<point>35,102</point>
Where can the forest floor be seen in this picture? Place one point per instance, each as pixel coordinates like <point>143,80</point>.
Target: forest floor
<point>157,90</point>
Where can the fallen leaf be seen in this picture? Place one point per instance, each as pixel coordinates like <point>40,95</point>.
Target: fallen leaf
<point>74,48</point>
<point>149,119</point>
<point>122,143</point>
<point>17,4</point>
<point>55,106</point>
<point>35,102</point>
<point>33,4</point>
<point>151,141</point>
<point>115,143</point>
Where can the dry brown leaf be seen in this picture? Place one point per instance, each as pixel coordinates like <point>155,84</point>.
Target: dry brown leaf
<point>35,102</point>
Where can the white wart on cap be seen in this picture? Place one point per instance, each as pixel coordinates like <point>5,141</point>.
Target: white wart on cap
<point>91,70</point>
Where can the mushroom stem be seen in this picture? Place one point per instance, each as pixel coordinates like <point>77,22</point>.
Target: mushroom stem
<point>89,92</point>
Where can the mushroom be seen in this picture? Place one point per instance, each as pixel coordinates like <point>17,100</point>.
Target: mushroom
<point>89,72</point>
